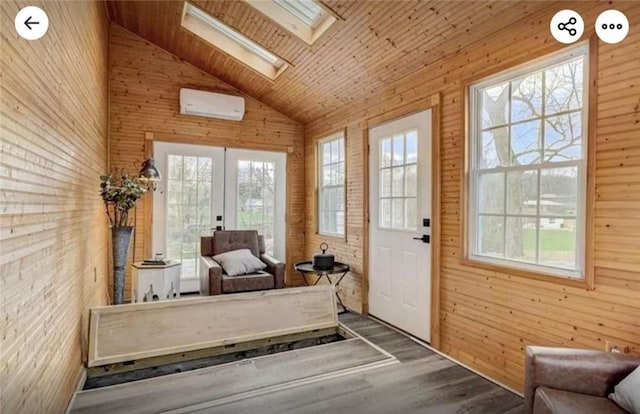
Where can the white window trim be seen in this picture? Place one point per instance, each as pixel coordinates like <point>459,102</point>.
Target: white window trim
<point>475,119</point>
<point>320,156</point>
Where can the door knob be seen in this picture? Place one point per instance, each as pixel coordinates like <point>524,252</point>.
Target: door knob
<point>425,238</point>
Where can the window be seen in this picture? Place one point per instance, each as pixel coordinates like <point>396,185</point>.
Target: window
<point>331,186</point>
<point>527,166</point>
<point>232,42</point>
<point>398,169</point>
<point>306,19</point>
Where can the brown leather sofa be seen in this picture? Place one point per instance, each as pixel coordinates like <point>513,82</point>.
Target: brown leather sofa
<point>566,381</point>
<point>213,280</point>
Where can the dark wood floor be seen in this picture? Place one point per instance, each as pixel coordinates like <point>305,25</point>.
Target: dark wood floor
<point>416,381</point>
<point>423,382</point>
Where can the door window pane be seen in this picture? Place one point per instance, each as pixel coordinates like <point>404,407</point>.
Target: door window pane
<point>399,181</point>
<point>398,150</point>
<point>256,199</point>
<point>397,213</point>
<point>385,152</point>
<point>189,204</point>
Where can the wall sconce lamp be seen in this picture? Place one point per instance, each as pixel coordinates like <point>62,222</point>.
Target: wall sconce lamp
<point>149,170</point>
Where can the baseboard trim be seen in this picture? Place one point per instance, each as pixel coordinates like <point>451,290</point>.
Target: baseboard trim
<point>442,354</point>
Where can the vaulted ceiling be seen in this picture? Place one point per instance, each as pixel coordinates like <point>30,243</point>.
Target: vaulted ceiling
<point>374,44</point>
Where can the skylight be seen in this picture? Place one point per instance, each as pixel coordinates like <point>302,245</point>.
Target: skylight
<point>308,11</point>
<point>232,42</point>
<point>307,19</point>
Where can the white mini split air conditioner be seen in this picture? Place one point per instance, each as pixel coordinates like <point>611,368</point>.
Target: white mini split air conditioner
<point>211,104</point>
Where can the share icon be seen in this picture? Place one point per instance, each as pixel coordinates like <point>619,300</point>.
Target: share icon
<point>563,26</point>
<point>566,26</point>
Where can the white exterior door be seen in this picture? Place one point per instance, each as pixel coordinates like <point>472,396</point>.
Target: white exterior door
<point>186,204</point>
<point>399,205</point>
<point>255,197</point>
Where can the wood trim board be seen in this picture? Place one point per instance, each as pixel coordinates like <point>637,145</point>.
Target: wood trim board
<point>144,330</point>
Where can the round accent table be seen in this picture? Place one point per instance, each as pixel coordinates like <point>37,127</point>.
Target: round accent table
<point>306,268</point>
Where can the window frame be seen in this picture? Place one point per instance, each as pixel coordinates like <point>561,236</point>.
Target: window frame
<point>583,276</point>
<point>232,42</point>
<point>319,173</point>
<point>293,23</point>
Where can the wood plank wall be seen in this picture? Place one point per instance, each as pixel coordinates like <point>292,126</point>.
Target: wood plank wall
<point>348,249</point>
<point>53,230</point>
<point>143,96</point>
<point>487,318</point>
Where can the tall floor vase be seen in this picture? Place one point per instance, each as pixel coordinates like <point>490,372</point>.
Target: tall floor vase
<point>120,239</point>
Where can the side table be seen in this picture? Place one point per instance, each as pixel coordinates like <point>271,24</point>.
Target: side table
<point>306,268</point>
<point>155,282</point>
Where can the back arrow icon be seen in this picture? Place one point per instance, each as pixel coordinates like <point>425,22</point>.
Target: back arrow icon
<point>29,22</point>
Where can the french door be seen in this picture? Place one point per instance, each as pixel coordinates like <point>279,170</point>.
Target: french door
<point>206,188</point>
<point>400,208</point>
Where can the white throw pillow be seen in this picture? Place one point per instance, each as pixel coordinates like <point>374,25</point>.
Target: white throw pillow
<point>239,262</point>
<point>627,393</point>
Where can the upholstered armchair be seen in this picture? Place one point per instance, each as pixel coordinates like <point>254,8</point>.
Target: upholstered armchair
<point>214,281</point>
<point>566,381</point>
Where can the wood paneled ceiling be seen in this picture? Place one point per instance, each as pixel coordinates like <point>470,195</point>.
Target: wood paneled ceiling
<point>374,44</point>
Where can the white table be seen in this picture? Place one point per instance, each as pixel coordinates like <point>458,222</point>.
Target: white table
<point>155,282</point>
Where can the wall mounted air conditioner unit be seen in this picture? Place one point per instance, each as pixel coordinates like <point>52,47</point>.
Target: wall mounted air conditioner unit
<point>211,104</point>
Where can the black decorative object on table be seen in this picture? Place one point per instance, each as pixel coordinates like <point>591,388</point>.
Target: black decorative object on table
<point>307,267</point>
<point>323,261</point>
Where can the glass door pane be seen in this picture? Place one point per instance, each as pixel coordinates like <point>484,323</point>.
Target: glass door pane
<point>398,181</point>
<point>189,207</point>
<point>256,199</point>
<point>186,204</point>
<point>255,196</point>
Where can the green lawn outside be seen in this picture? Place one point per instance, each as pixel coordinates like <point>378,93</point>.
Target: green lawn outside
<point>551,239</point>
